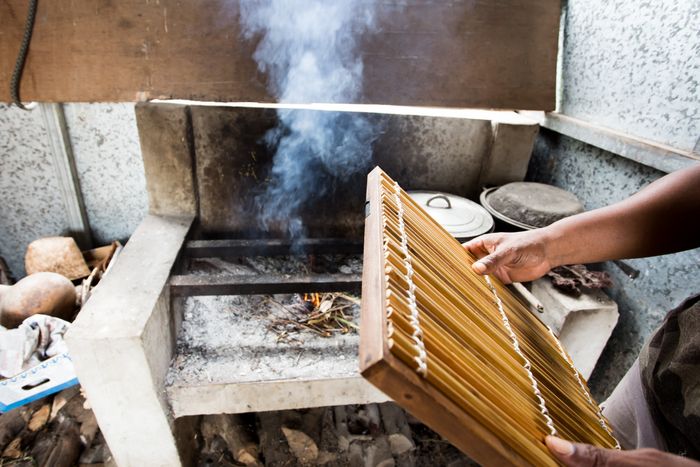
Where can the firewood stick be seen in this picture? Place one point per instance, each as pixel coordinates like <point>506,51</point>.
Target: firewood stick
<point>529,298</point>
<point>59,445</point>
<point>239,442</point>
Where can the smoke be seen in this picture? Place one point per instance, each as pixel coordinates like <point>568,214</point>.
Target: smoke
<point>308,49</point>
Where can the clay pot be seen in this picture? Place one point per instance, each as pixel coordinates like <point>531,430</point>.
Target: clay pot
<point>44,293</point>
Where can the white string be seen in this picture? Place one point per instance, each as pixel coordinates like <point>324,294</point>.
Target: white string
<point>601,417</point>
<point>417,336</point>
<point>527,365</point>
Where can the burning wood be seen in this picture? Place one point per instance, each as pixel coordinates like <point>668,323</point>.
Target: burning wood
<point>322,314</point>
<point>313,298</point>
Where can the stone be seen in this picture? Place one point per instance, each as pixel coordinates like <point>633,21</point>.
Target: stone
<point>394,419</point>
<point>356,455</point>
<point>343,443</point>
<point>56,254</point>
<point>378,453</point>
<point>400,444</point>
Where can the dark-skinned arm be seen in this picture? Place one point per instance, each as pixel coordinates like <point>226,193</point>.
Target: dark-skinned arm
<point>664,217</point>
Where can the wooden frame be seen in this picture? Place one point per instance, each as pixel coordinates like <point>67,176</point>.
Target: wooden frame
<point>458,349</point>
<point>395,378</point>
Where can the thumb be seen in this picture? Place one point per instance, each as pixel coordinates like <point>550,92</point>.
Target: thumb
<point>489,264</point>
<point>577,454</point>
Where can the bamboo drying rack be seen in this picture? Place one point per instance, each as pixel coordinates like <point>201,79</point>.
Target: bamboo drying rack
<point>458,350</point>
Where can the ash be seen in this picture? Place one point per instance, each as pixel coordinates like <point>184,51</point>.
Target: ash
<point>248,338</point>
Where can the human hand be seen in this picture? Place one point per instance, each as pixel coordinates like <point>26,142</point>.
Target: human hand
<point>585,455</point>
<point>512,257</point>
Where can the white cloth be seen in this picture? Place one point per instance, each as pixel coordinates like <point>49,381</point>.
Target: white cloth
<point>628,413</point>
<point>38,337</point>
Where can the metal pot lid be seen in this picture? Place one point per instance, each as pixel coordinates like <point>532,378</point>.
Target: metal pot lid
<point>530,205</point>
<point>459,216</point>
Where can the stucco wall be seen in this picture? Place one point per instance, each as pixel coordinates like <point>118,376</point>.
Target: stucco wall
<point>600,178</point>
<point>110,170</point>
<point>108,159</point>
<point>634,67</point>
<point>30,198</point>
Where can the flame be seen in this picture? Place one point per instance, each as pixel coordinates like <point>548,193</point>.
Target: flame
<point>313,298</point>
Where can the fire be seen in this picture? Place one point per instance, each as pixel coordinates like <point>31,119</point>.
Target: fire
<point>313,298</point>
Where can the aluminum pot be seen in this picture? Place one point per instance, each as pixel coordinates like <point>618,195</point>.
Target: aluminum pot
<point>462,218</point>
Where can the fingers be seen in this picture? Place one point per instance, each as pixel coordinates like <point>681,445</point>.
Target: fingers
<point>489,264</point>
<point>577,455</point>
<point>585,455</point>
<point>485,248</point>
<point>562,449</point>
<point>477,247</point>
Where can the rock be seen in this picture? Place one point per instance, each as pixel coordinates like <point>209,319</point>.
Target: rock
<point>356,455</point>
<point>343,443</point>
<point>400,444</point>
<point>301,445</point>
<point>56,254</point>
<point>44,293</point>
<point>394,419</point>
<point>374,419</point>
<point>378,453</point>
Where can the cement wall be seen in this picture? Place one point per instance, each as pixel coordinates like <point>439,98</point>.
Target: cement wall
<point>634,67</point>
<point>108,158</point>
<point>30,197</point>
<point>600,178</point>
<point>110,170</point>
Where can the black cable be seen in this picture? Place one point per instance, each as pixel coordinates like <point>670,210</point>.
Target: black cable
<point>22,56</point>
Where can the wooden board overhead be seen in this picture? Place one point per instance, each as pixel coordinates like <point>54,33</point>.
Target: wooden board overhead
<point>468,53</point>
